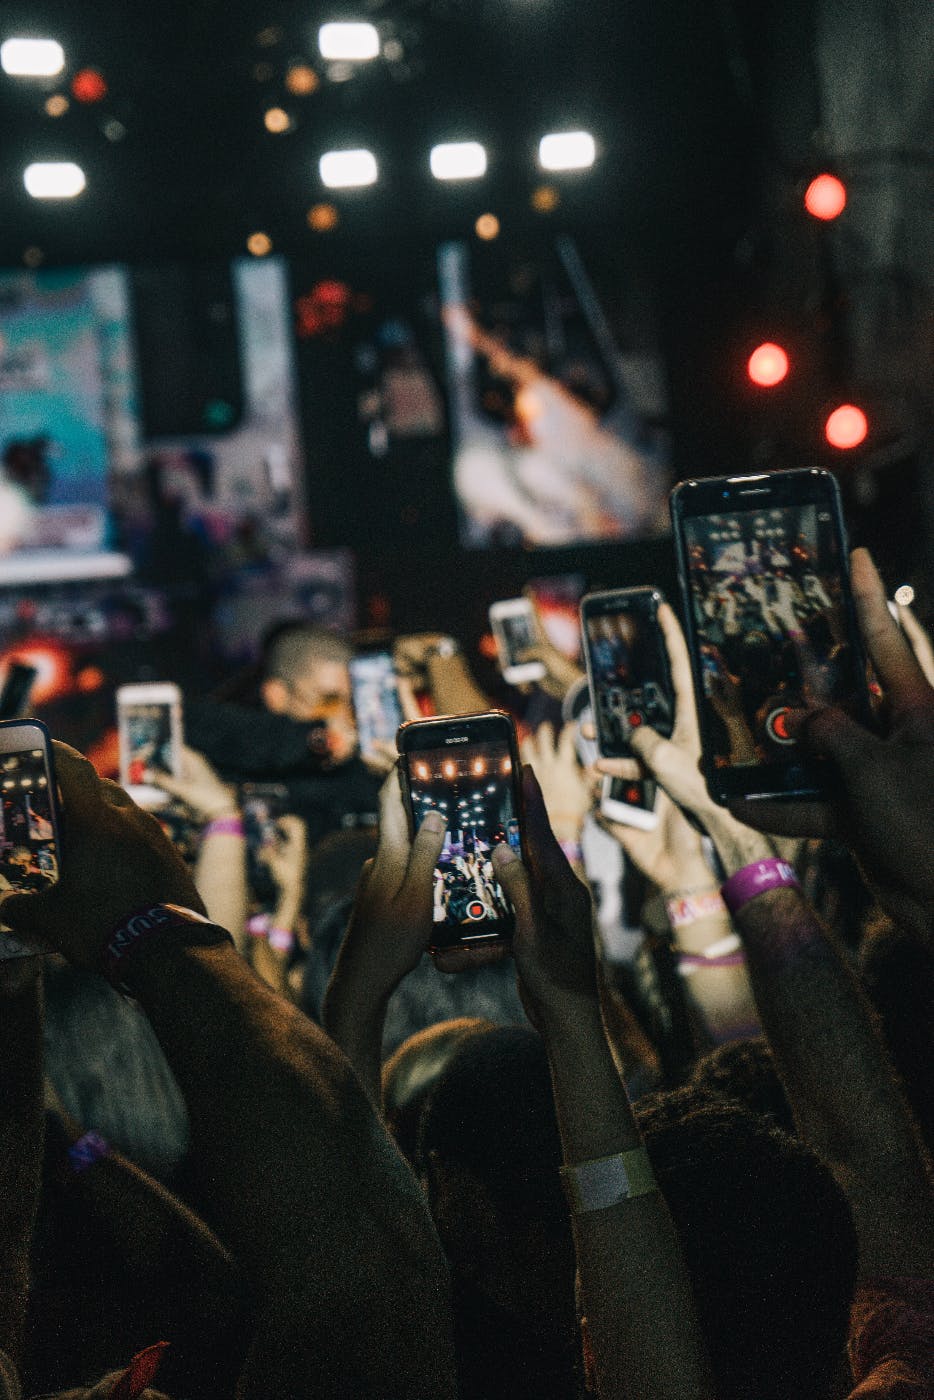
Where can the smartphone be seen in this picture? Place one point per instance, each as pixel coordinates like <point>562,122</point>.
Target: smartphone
<point>630,802</point>
<point>466,767</point>
<point>17,688</point>
<point>513,624</point>
<point>149,725</point>
<point>30,824</point>
<point>375,700</point>
<point>627,666</point>
<point>763,567</point>
<point>262,804</point>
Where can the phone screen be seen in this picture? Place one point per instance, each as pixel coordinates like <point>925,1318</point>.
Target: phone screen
<point>473,786</point>
<point>28,838</point>
<point>770,616</point>
<point>376,700</point>
<point>629,670</point>
<point>149,739</point>
<point>262,805</point>
<point>518,635</point>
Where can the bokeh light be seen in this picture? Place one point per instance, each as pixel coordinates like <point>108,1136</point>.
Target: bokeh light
<point>302,80</point>
<point>846,427</point>
<point>825,197</point>
<point>56,105</point>
<point>768,365</point>
<point>277,120</point>
<point>545,199</point>
<point>322,218</point>
<point>89,86</point>
<point>487,227</point>
<point>259,244</point>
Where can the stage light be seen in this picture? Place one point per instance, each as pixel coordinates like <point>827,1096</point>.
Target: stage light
<point>322,218</point>
<point>846,427</point>
<point>478,769</point>
<point>32,58</point>
<point>54,179</point>
<point>277,120</point>
<point>458,160</point>
<point>767,365</point>
<point>449,769</point>
<point>348,169</point>
<point>259,244</point>
<point>545,199</point>
<point>825,197</point>
<point>905,595</point>
<point>567,150</point>
<point>88,86</point>
<point>487,227</point>
<point>507,764</point>
<point>56,105</point>
<point>301,80</point>
<point>355,43</point>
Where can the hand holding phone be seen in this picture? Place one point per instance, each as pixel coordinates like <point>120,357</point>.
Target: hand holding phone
<point>514,627</point>
<point>30,838</point>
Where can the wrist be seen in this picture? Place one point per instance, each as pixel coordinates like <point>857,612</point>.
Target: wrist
<point>227,822</point>
<point>154,927</point>
<point>737,845</point>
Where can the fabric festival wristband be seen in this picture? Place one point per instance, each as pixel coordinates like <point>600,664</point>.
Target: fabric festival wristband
<point>747,884</point>
<point>86,1151</point>
<point>170,921</point>
<point>223,826</point>
<point>607,1181</point>
<point>257,925</point>
<point>689,909</point>
<point>572,851</point>
<point>282,940</point>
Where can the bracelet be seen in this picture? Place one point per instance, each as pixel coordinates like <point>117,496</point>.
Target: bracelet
<point>445,648</point>
<point>86,1151</point>
<point>688,908</point>
<point>726,952</point>
<point>747,884</point>
<point>190,927</point>
<point>257,925</point>
<point>281,940</point>
<point>607,1181</point>
<point>223,826</point>
<point>572,851</point>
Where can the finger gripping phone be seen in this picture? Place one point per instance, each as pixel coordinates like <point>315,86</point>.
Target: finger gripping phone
<point>30,824</point>
<point>376,702</point>
<point>627,666</point>
<point>149,725</point>
<point>513,624</point>
<point>467,768</point>
<point>771,628</point>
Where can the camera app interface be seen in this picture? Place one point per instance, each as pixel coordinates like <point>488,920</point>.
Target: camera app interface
<point>148,731</point>
<point>628,666</point>
<point>518,635</point>
<point>28,853</point>
<point>768,606</point>
<point>470,784</point>
<point>376,701</point>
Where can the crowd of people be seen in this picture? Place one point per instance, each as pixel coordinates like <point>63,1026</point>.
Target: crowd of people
<point>258,1142</point>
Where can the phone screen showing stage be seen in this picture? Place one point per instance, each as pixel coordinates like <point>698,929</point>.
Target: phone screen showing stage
<point>148,731</point>
<point>629,668</point>
<point>472,786</point>
<point>771,621</point>
<point>518,633</point>
<point>376,700</point>
<point>28,845</point>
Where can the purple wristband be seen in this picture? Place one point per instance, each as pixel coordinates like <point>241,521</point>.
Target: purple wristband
<point>86,1151</point>
<point>147,922</point>
<point>756,879</point>
<point>224,826</point>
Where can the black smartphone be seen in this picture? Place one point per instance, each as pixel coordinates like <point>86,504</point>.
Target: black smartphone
<point>262,805</point>
<point>466,767</point>
<point>771,627</point>
<point>30,841</point>
<point>376,702</point>
<point>627,666</point>
<point>17,688</point>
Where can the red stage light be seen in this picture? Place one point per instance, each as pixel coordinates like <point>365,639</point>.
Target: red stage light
<point>846,427</point>
<point>768,365</point>
<point>825,197</point>
<point>88,85</point>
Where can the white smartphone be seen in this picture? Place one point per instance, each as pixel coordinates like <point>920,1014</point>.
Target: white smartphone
<point>149,724</point>
<point>29,818</point>
<point>375,700</point>
<point>513,624</point>
<point>629,802</point>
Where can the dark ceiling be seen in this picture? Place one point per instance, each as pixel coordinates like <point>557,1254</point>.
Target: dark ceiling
<point>194,171</point>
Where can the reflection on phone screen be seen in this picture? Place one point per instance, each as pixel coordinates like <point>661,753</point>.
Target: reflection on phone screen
<point>767,597</point>
<point>148,731</point>
<point>28,850</point>
<point>629,676</point>
<point>471,785</point>
<point>376,701</point>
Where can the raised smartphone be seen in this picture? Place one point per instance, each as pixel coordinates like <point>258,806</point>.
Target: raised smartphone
<point>29,818</point>
<point>149,725</point>
<point>466,767</point>
<point>629,801</point>
<point>513,624</point>
<point>627,666</point>
<point>771,627</point>
<point>376,702</point>
<point>17,688</point>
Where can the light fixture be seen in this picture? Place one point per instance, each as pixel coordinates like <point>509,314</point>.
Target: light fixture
<point>767,365</point>
<point>259,244</point>
<point>458,160</point>
<point>825,197</point>
<point>354,43</point>
<point>846,427</point>
<point>348,169</point>
<point>567,150</point>
<point>32,58</point>
<point>54,179</point>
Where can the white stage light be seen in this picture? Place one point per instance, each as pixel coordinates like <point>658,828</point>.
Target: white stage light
<point>32,58</point>
<point>347,169</point>
<point>458,160</point>
<point>351,43</point>
<point>567,150</point>
<point>54,179</point>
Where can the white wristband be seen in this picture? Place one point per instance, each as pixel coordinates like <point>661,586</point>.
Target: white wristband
<point>607,1181</point>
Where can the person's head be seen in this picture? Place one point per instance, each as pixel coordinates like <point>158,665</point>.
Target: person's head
<point>768,1240</point>
<point>744,1072</point>
<point>306,673</point>
<point>410,1074</point>
<point>489,1153</point>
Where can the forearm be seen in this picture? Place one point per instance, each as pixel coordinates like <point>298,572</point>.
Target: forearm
<point>453,688</point>
<point>220,877</point>
<point>637,1297</point>
<point>21,1133</point>
<point>716,980</point>
<point>354,1017</point>
<point>271,963</point>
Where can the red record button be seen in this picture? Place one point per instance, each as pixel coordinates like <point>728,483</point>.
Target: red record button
<point>633,794</point>
<point>777,726</point>
<point>635,719</point>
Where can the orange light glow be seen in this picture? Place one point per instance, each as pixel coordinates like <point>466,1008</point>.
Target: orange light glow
<point>259,244</point>
<point>768,365</point>
<point>507,764</point>
<point>846,427</point>
<point>322,218</point>
<point>301,80</point>
<point>825,197</point>
<point>478,767</point>
<point>449,769</point>
<point>89,85</point>
<point>277,120</point>
<point>487,227</point>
